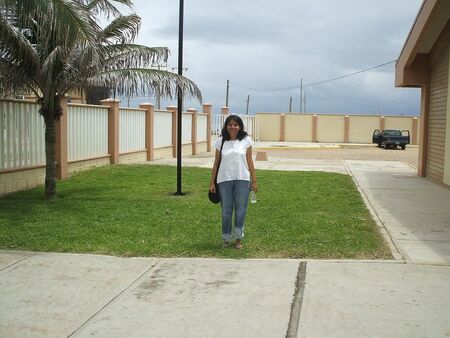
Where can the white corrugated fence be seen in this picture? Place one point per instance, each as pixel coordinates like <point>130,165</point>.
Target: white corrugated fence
<point>132,130</point>
<point>87,131</point>
<point>22,133</point>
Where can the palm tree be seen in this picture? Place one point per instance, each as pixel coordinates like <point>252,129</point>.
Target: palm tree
<point>54,46</point>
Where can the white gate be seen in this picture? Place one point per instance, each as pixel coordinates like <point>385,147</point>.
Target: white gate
<point>251,125</point>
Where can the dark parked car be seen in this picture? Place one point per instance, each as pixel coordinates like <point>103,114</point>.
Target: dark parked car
<point>391,138</point>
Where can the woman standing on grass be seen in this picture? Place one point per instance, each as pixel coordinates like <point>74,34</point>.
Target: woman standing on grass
<point>236,171</point>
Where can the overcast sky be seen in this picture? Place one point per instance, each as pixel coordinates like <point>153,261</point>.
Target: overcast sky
<point>261,45</point>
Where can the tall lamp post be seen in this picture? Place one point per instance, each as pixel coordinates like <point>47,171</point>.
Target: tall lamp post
<point>180,97</point>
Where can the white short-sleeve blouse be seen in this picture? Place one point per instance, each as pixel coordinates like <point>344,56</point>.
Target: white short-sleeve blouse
<point>234,164</point>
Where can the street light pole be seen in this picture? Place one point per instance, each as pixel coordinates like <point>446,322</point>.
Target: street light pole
<point>248,102</point>
<point>180,97</point>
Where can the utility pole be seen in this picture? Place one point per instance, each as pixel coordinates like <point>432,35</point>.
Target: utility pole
<point>158,88</point>
<point>228,92</point>
<point>301,95</point>
<point>304,101</point>
<point>248,101</point>
<point>158,94</point>
<point>290,104</point>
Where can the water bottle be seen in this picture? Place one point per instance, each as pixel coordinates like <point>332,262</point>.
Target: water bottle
<point>252,197</point>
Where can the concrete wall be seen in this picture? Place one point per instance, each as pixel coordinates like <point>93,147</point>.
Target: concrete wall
<point>398,123</point>
<point>298,128</point>
<point>88,164</point>
<point>361,128</point>
<point>330,128</point>
<point>165,152</point>
<point>135,157</point>
<point>19,180</point>
<point>202,147</point>
<point>269,126</point>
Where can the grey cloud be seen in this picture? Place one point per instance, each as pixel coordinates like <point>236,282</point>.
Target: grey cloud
<point>268,44</point>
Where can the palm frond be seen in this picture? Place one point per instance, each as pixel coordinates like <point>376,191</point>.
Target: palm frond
<point>15,47</point>
<point>55,22</point>
<point>74,22</point>
<point>123,29</point>
<point>54,61</point>
<point>105,7</point>
<point>81,63</point>
<point>134,56</point>
<point>14,78</point>
<point>140,81</point>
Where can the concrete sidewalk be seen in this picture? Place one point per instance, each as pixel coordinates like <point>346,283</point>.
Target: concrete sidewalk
<point>69,295</point>
<point>62,295</point>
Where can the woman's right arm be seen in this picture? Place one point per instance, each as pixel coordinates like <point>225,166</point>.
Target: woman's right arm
<point>212,186</point>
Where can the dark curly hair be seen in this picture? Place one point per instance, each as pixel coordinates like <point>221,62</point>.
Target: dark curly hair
<point>241,133</point>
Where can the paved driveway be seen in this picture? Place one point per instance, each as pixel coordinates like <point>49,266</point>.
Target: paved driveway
<point>345,152</point>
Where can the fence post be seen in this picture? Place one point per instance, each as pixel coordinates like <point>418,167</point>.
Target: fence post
<point>225,110</point>
<point>282,127</point>
<point>174,110</point>
<point>61,143</point>
<point>113,128</point>
<point>207,109</point>
<point>346,128</point>
<point>193,130</point>
<point>314,128</point>
<point>149,125</point>
<point>382,123</point>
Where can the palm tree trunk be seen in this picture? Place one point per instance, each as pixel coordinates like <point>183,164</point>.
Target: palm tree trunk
<point>50,157</point>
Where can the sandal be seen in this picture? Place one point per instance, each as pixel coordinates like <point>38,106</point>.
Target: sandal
<point>238,245</point>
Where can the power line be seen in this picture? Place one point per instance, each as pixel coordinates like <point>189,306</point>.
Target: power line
<point>344,76</point>
<point>311,84</point>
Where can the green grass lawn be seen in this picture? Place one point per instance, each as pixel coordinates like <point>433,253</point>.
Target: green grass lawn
<point>129,210</point>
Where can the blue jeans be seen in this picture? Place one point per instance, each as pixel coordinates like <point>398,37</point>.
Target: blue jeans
<point>233,195</point>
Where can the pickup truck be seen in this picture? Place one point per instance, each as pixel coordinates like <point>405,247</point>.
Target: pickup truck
<point>391,138</point>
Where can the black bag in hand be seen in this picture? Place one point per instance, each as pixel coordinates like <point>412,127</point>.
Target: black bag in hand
<point>214,197</point>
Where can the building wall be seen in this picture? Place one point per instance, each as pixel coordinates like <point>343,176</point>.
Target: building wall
<point>437,122</point>
<point>447,132</point>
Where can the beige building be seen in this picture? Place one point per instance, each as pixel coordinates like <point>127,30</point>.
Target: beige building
<point>424,62</point>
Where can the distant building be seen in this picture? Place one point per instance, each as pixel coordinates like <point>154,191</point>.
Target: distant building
<point>424,62</point>
<point>73,96</point>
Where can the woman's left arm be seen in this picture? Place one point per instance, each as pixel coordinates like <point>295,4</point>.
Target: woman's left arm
<point>251,168</point>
